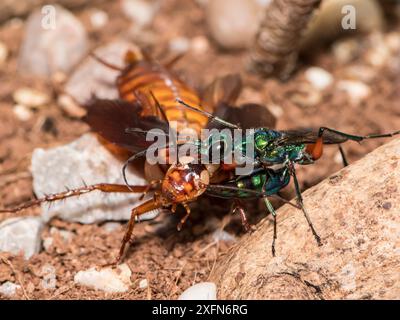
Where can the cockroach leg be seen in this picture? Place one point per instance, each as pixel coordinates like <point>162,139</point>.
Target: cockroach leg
<point>238,206</point>
<point>183,220</point>
<point>151,185</point>
<point>103,187</point>
<point>301,204</point>
<point>106,63</point>
<point>173,208</point>
<point>147,206</point>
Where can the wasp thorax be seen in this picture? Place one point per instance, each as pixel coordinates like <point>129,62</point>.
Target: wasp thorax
<point>185,182</point>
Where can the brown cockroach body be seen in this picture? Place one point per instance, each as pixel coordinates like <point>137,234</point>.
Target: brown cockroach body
<point>149,94</point>
<point>153,84</point>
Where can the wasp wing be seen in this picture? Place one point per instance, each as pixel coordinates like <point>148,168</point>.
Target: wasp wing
<point>246,116</point>
<point>309,136</point>
<point>111,118</point>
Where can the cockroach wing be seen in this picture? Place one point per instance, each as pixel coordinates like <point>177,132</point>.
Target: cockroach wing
<point>222,90</point>
<point>111,119</point>
<point>307,136</point>
<point>247,116</point>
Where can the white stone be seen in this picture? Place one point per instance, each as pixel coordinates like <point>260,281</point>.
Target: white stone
<point>111,226</point>
<point>49,280</point>
<point>318,77</point>
<point>233,23</point>
<point>143,284</point>
<point>222,235</point>
<point>3,53</point>
<point>21,235</point>
<point>47,243</point>
<point>106,279</point>
<point>30,97</point>
<point>23,113</point>
<point>8,288</point>
<point>200,291</point>
<point>199,45</point>
<point>98,18</point>
<point>84,160</point>
<point>179,45</point>
<point>345,50</point>
<point>98,78</point>
<point>50,47</point>
<point>70,107</point>
<point>276,110</point>
<point>65,234</point>
<point>139,11</point>
<point>356,90</point>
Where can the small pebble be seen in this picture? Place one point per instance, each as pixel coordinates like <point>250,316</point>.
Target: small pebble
<point>30,97</point>
<point>360,72</point>
<point>3,53</point>
<point>21,235</point>
<point>8,288</point>
<point>346,50</point>
<point>98,18</point>
<point>111,226</point>
<point>200,291</point>
<point>356,90</point>
<point>233,23</point>
<point>49,280</point>
<point>106,279</point>
<point>318,77</point>
<point>23,113</point>
<point>306,96</point>
<point>276,110</point>
<point>65,234</point>
<point>199,45</point>
<point>143,284</point>
<point>179,45</point>
<point>47,243</point>
<point>222,235</point>
<point>70,107</point>
<point>139,11</point>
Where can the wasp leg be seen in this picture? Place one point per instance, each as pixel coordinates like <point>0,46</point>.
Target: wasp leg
<point>147,206</point>
<point>301,204</point>
<point>238,206</point>
<point>343,155</point>
<point>271,210</point>
<point>103,187</point>
<point>355,137</point>
<point>183,220</point>
<point>316,149</point>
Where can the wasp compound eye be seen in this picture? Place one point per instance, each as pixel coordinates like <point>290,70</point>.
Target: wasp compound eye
<point>261,142</point>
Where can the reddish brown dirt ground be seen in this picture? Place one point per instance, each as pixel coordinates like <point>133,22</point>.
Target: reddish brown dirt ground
<point>169,260</point>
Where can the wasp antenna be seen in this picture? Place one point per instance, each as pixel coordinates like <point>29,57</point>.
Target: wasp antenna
<point>209,115</point>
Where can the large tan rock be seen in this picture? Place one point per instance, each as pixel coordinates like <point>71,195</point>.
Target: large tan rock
<point>356,212</point>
